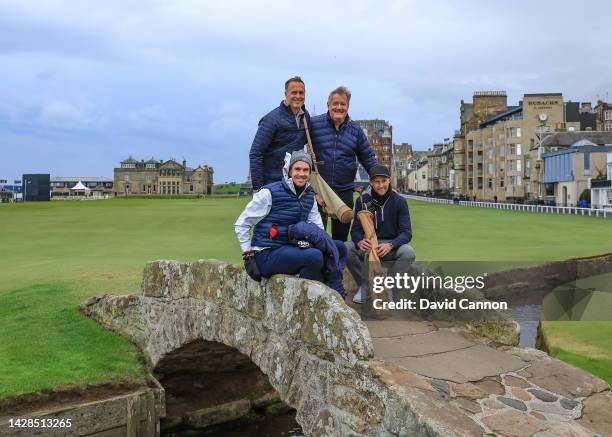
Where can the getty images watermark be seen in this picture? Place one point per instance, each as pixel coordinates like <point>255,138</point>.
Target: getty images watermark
<point>471,290</point>
<point>423,282</point>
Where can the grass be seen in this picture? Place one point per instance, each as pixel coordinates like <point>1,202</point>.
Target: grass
<point>226,188</point>
<point>585,344</point>
<point>56,255</point>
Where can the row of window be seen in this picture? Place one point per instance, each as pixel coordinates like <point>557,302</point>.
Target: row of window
<point>164,189</point>
<point>87,184</point>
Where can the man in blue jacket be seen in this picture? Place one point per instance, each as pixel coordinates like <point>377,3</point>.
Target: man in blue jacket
<point>288,234</point>
<point>392,224</point>
<point>338,142</point>
<point>280,131</point>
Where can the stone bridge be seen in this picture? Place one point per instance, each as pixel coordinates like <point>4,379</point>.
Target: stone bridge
<point>209,335</point>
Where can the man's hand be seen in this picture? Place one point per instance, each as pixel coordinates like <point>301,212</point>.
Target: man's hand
<point>250,265</point>
<point>365,244</point>
<point>383,249</point>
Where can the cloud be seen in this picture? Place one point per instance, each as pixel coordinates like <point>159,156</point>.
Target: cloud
<point>193,78</point>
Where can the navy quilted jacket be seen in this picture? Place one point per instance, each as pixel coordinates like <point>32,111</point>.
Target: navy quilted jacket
<point>334,260</point>
<point>287,209</point>
<point>277,134</point>
<point>338,149</point>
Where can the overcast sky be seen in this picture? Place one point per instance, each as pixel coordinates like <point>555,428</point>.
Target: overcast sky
<point>85,84</point>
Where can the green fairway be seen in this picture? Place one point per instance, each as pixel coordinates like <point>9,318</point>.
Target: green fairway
<point>462,233</point>
<point>55,255</point>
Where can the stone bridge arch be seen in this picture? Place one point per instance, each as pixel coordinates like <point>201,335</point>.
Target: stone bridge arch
<point>320,358</point>
<point>316,352</point>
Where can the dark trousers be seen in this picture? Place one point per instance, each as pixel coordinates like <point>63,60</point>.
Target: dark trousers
<point>340,230</point>
<point>291,260</point>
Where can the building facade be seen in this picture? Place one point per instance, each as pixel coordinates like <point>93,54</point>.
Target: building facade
<point>503,156</point>
<point>603,113</point>
<point>380,136</point>
<point>419,178</point>
<point>98,186</point>
<point>401,157</point>
<point>161,178</point>
<point>568,172</point>
<point>36,187</point>
<point>601,189</point>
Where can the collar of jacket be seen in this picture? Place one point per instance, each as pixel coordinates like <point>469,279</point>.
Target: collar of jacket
<point>286,108</point>
<point>344,123</point>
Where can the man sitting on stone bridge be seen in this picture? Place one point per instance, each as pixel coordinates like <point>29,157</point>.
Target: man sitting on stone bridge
<point>288,233</point>
<point>392,225</point>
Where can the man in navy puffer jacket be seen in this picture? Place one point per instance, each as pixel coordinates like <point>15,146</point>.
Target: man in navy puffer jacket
<point>280,131</point>
<point>338,142</point>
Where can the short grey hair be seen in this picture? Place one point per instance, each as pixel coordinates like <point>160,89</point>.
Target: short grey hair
<point>341,90</point>
<point>293,79</point>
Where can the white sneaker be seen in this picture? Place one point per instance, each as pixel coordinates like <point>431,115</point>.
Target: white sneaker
<point>361,294</point>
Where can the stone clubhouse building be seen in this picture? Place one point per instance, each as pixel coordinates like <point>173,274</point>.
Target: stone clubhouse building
<point>161,178</point>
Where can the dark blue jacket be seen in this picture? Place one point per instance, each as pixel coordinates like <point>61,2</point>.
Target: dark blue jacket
<point>391,220</point>
<point>338,150</point>
<point>334,260</point>
<point>287,209</point>
<point>277,134</point>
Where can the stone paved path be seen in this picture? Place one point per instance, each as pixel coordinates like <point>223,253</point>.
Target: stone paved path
<point>505,391</point>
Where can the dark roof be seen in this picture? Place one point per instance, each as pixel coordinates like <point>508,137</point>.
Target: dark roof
<point>152,161</point>
<point>582,149</point>
<point>543,95</point>
<point>568,138</point>
<point>81,179</point>
<point>572,112</point>
<point>130,160</point>
<point>493,118</point>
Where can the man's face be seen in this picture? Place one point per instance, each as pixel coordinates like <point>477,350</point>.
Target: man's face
<point>294,96</point>
<point>380,184</point>
<point>299,173</point>
<point>338,107</point>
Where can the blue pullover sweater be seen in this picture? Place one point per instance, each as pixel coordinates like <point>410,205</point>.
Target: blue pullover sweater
<point>391,220</point>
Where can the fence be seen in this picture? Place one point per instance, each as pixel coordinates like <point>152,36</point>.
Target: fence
<point>520,207</point>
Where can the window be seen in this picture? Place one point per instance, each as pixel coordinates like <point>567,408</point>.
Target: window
<point>502,165</point>
<point>190,187</point>
<point>126,178</point>
<point>514,132</point>
<point>587,163</point>
<point>491,169</point>
<point>608,127</point>
<point>515,149</point>
<point>502,150</point>
<point>518,165</point>
<point>515,180</point>
<point>608,115</point>
<point>490,183</point>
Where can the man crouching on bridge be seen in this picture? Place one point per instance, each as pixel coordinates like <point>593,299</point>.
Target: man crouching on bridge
<point>392,225</point>
<point>288,233</point>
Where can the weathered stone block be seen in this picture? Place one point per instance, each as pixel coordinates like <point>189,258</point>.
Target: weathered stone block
<point>218,414</point>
